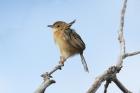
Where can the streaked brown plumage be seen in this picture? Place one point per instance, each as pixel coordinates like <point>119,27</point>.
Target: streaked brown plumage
<point>68,41</point>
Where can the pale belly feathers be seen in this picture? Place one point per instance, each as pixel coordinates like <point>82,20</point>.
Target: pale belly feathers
<point>66,49</point>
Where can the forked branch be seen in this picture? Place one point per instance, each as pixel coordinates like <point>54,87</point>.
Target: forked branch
<point>47,79</point>
<point>111,72</point>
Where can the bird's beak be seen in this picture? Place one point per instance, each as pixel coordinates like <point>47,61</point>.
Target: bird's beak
<point>51,26</point>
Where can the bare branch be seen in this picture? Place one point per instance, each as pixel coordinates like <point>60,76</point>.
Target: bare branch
<point>132,54</point>
<point>97,83</point>
<point>106,85</point>
<point>121,86</point>
<point>121,35</point>
<point>110,74</point>
<point>58,67</point>
<point>47,81</point>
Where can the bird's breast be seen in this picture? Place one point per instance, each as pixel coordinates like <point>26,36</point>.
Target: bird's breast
<point>65,48</point>
<point>59,38</point>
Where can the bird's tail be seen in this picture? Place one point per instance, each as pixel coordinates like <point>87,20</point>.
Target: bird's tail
<point>84,62</point>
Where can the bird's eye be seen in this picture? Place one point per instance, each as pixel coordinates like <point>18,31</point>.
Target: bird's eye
<point>58,26</point>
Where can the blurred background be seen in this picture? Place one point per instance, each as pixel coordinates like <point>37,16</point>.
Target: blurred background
<point>27,48</point>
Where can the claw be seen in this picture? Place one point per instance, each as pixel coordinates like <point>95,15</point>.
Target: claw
<point>62,60</point>
<point>61,63</point>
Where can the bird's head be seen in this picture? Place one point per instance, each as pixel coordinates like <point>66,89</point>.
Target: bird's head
<point>61,25</point>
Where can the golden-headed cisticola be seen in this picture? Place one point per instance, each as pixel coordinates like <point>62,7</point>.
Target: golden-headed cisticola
<point>68,41</point>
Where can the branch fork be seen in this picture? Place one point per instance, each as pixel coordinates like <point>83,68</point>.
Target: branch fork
<point>111,74</point>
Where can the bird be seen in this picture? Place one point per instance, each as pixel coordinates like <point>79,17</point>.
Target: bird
<point>68,41</point>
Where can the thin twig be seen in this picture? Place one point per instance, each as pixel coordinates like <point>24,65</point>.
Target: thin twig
<point>132,54</point>
<point>121,86</point>
<point>106,85</point>
<point>58,67</point>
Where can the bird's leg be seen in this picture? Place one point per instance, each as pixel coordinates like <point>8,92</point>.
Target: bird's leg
<point>62,60</point>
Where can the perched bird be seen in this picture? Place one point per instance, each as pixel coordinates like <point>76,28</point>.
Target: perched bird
<point>68,41</point>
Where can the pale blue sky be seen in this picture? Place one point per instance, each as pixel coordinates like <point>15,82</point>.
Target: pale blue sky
<point>27,48</point>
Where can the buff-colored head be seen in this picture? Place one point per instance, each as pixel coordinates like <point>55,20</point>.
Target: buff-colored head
<point>61,26</point>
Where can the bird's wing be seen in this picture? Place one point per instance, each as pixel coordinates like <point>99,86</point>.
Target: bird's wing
<point>74,39</point>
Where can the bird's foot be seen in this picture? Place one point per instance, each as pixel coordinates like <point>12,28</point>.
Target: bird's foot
<point>61,63</point>
<point>62,60</point>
